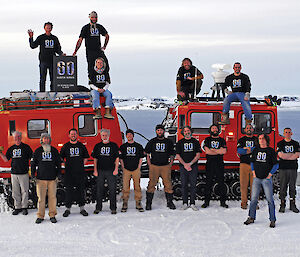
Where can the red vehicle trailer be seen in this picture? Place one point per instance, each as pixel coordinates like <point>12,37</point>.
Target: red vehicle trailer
<point>207,111</point>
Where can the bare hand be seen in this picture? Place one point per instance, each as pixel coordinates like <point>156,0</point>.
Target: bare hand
<point>95,173</point>
<point>101,90</point>
<point>269,176</point>
<point>246,98</point>
<point>253,173</point>
<point>187,166</point>
<point>115,172</point>
<point>30,33</point>
<point>189,78</point>
<point>182,94</point>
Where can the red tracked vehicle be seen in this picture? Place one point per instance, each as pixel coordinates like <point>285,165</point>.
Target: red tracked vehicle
<point>203,112</point>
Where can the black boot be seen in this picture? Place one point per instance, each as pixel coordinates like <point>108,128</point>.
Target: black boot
<point>149,197</point>
<point>205,204</point>
<point>282,206</point>
<point>293,207</point>
<point>170,203</point>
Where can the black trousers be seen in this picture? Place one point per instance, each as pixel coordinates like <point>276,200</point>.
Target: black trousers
<point>112,185</point>
<point>75,192</point>
<point>288,178</point>
<point>215,168</point>
<point>43,74</point>
<point>186,178</point>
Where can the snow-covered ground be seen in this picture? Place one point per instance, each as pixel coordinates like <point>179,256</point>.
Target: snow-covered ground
<point>214,231</point>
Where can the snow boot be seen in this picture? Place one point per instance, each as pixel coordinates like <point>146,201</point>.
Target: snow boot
<point>84,213</point>
<point>16,211</point>
<point>224,119</point>
<point>98,114</point>
<point>107,114</point>
<point>293,207</point>
<point>205,204</point>
<point>170,203</point>
<point>125,206</point>
<point>149,197</point>
<point>39,221</point>
<point>184,207</point>
<point>223,204</point>
<point>249,221</point>
<point>282,206</point>
<point>24,211</point>
<point>53,220</point>
<point>272,224</point>
<point>66,213</point>
<point>139,206</point>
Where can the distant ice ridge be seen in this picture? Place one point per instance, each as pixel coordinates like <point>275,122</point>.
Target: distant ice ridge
<point>159,103</point>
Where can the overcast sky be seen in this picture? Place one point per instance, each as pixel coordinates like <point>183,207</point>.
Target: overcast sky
<point>148,40</point>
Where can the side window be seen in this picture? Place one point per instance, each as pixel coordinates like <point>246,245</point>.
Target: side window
<point>36,127</point>
<point>201,121</point>
<point>86,125</point>
<point>262,123</point>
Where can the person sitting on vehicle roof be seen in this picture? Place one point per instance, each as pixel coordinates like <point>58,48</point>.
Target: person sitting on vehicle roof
<point>241,87</point>
<point>188,77</point>
<point>99,85</point>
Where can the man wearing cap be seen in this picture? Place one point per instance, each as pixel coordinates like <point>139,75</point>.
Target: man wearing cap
<point>91,33</point>
<point>131,158</point>
<point>49,47</point>
<point>48,162</point>
<point>20,154</point>
<point>160,157</point>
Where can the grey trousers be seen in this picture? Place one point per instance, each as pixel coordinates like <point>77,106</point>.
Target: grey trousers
<point>20,187</point>
<point>287,178</point>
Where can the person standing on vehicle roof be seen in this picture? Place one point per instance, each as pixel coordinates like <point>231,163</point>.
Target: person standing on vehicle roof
<point>188,76</point>
<point>20,155</point>
<point>215,147</point>
<point>76,156</point>
<point>160,156</point>
<point>49,47</point>
<point>245,146</point>
<point>263,165</point>
<point>48,162</point>
<point>99,85</point>
<point>241,87</point>
<point>288,153</point>
<point>106,164</point>
<point>188,153</point>
<point>91,33</point>
<point>131,158</point>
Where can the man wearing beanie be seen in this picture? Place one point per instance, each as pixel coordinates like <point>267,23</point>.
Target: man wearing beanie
<point>160,157</point>
<point>48,162</point>
<point>131,159</point>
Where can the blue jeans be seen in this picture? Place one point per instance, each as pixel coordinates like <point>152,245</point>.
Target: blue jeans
<point>43,73</point>
<point>96,98</point>
<point>268,189</point>
<point>238,96</point>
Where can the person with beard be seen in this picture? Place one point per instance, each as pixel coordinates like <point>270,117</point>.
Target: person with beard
<point>131,159</point>
<point>241,87</point>
<point>245,146</point>
<point>288,153</point>
<point>99,85</point>
<point>48,162</point>
<point>91,33</point>
<point>187,76</point>
<point>160,157</point>
<point>263,165</point>
<point>49,46</point>
<point>106,164</point>
<point>75,155</point>
<point>215,147</point>
<point>20,155</point>
<point>188,153</point>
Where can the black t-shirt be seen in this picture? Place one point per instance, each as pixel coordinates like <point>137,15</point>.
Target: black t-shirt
<point>99,78</point>
<point>183,74</point>
<point>160,150</point>
<point>246,142</point>
<point>288,147</point>
<point>131,155</point>
<point>263,159</point>
<point>74,155</point>
<point>106,155</point>
<point>214,143</point>
<point>48,163</point>
<point>49,46</point>
<point>20,155</point>
<point>187,149</point>
<point>91,35</point>
<point>239,83</point>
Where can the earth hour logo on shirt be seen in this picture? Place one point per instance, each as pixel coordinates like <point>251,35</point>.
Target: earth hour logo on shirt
<point>105,150</point>
<point>17,153</point>
<point>249,143</point>
<point>261,157</point>
<point>65,68</point>
<point>49,43</point>
<point>188,147</point>
<point>186,75</point>
<point>160,147</point>
<point>215,144</point>
<point>236,83</point>
<point>46,156</point>
<point>74,152</point>
<point>131,151</point>
<point>94,32</point>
